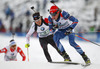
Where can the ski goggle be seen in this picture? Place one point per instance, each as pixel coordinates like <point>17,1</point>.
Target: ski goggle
<point>13,46</point>
<point>53,14</point>
<point>37,19</point>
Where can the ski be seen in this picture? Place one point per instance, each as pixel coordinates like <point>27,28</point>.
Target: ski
<point>71,63</point>
<point>65,62</point>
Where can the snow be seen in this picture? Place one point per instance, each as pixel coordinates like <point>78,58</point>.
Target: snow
<point>37,59</point>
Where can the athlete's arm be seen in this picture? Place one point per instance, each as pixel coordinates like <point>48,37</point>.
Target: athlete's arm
<point>19,50</point>
<point>50,23</point>
<point>31,31</point>
<point>4,50</point>
<point>66,15</point>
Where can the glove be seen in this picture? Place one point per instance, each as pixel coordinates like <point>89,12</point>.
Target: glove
<point>27,45</point>
<point>55,27</point>
<point>68,31</point>
<point>52,31</point>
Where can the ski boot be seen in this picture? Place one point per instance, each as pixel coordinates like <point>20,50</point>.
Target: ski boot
<point>86,59</point>
<point>66,57</point>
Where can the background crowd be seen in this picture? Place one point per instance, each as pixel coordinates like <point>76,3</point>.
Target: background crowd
<point>16,15</point>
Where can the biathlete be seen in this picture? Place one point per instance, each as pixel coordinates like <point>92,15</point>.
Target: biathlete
<point>11,52</point>
<point>40,25</point>
<point>65,24</point>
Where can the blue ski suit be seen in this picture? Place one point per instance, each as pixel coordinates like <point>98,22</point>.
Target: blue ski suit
<point>64,22</point>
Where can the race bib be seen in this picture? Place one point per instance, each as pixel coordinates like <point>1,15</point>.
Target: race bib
<point>45,33</point>
<point>63,25</point>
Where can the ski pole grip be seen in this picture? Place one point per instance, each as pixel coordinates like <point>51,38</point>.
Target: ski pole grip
<point>52,1</point>
<point>32,7</point>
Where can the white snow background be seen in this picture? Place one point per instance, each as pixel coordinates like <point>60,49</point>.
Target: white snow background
<point>37,59</point>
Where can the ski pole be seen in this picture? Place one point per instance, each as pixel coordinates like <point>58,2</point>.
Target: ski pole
<point>53,2</point>
<point>27,54</point>
<point>87,32</point>
<point>87,40</point>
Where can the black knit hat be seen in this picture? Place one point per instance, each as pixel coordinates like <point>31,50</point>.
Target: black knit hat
<point>36,15</point>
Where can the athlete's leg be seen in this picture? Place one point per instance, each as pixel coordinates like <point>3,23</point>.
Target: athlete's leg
<point>57,36</point>
<point>44,43</point>
<point>78,48</point>
<point>73,43</point>
<point>51,41</point>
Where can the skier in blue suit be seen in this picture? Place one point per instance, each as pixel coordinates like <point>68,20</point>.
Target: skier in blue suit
<point>62,24</point>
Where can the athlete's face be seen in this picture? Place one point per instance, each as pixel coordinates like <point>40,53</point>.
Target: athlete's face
<point>56,16</point>
<point>13,47</point>
<point>38,21</point>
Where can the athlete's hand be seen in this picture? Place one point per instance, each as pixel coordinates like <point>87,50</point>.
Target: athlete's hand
<point>69,31</point>
<point>55,27</point>
<point>27,45</point>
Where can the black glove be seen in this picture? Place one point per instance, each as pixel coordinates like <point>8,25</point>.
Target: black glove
<point>68,31</point>
<point>55,27</point>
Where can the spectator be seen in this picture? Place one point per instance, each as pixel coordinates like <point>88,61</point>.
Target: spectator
<point>19,27</point>
<point>86,2</point>
<point>98,29</point>
<point>7,11</point>
<point>27,13</point>
<point>38,5</point>
<point>44,5</point>
<point>2,28</point>
<point>27,25</point>
<point>12,15</point>
<point>95,13</point>
<point>92,28</point>
<point>98,34</point>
